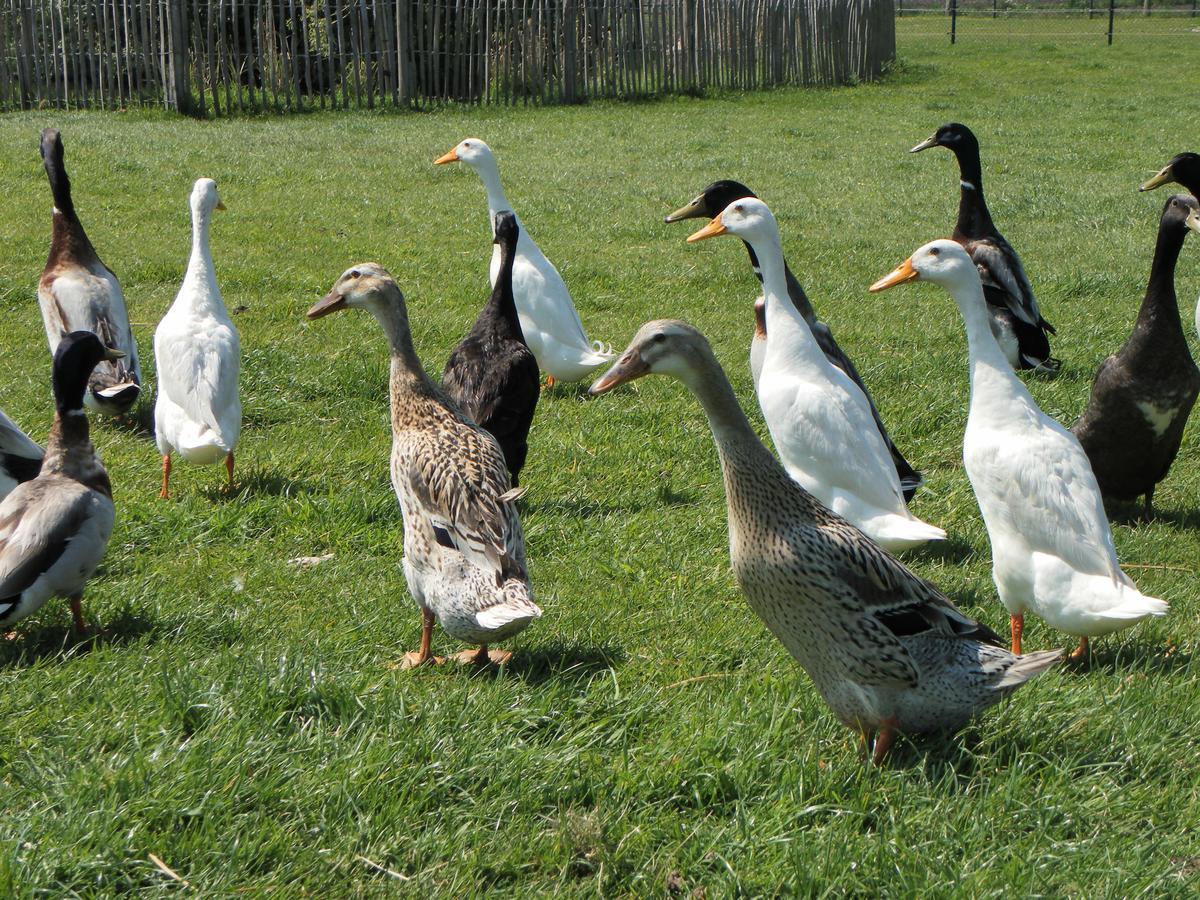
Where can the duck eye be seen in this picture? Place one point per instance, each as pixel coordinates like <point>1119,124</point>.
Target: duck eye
<point>934,251</point>
<point>659,338</point>
<point>355,274</point>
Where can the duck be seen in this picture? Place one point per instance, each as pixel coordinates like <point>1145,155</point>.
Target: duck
<point>491,375</point>
<point>549,321</point>
<point>819,419</point>
<point>464,550</point>
<point>77,291</point>
<point>1052,548</point>
<point>197,350</point>
<point>54,528</point>
<point>1143,394</point>
<point>887,651</point>
<point>709,203</point>
<point>1183,169</point>
<point>1014,315</point>
<point>20,456</point>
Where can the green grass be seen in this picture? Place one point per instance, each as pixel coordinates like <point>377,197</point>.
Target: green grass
<point>244,720</point>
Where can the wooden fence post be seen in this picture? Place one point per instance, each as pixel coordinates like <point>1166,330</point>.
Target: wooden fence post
<point>570,28</point>
<point>1112,8</point>
<point>178,60</point>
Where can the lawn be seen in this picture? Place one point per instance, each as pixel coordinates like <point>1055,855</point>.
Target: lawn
<point>243,720</point>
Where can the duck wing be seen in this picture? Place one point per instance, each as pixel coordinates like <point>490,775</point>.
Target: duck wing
<point>38,521</point>
<point>198,371</point>
<point>15,442</point>
<point>459,477</point>
<point>880,604</point>
<point>1000,268</point>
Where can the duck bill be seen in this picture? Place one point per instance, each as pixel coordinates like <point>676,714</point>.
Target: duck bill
<point>712,229</point>
<point>629,367</point>
<point>112,353</point>
<point>1193,221</point>
<point>330,303</point>
<point>1158,180</point>
<point>899,275</point>
<point>697,209</point>
<point>450,157</point>
<point>925,144</point>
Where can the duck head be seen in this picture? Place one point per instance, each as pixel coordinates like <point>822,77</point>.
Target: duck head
<point>944,262</point>
<point>360,287</point>
<point>711,201</point>
<point>748,218</point>
<point>471,151</point>
<point>506,228</point>
<point>664,347</point>
<point>1183,168</point>
<point>76,355</point>
<point>1181,211</point>
<point>205,197</point>
<point>953,136</point>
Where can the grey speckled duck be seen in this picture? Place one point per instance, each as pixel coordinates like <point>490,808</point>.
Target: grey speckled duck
<point>55,528</point>
<point>887,650</point>
<point>464,551</point>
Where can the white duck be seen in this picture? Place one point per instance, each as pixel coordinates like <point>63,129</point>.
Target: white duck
<point>1052,548</point>
<point>20,456</point>
<point>549,319</point>
<point>198,353</point>
<point>819,419</point>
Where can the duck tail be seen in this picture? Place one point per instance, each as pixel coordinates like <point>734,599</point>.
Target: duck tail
<point>512,613</point>
<point>602,349</point>
<point>1137,606</point>
<point>115,396</point>
<point>56,171</point>
<point>1028,666</point>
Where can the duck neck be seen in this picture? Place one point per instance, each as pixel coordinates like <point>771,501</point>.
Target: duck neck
<point>407,376</point>
<point>795,293</point>
<point>973,216</point>
<point>69,449</point>
<point>1160,307</point>
<point>503,304</point>
<point>496,200</point>
<point>787,331</point>
<point>994,385</point>
<point>200,272</point>
<point>738,446</point>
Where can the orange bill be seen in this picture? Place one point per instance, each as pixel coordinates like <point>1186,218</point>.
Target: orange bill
<point>902,273</point>
<point>712,229</point>
<point>450,157</point>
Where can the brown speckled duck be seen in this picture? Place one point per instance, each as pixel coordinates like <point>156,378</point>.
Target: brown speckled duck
<point>464,551</point>
<point>886,650</point>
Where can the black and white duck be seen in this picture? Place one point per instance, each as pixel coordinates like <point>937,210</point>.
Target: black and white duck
<point>55,528</point>
<point>491,374</point>
<point>1142,394</point>
<point>1015,318</point>
<point>20,456</point>
<point>77,292</point>
<point>711,202</point>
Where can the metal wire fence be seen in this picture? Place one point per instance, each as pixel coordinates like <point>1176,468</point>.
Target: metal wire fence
<point>968,21</point>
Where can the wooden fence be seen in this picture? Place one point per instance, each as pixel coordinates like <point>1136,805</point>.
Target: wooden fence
<point>213,57</point>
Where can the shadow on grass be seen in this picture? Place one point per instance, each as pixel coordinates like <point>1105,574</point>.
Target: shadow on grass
<point>565,506</point>
<point>138,422</point>
<point>1126,659</point>
<point>1130,513</point>
<point>36,641</point>
<point>563,661</point>
<point>255,483</point>
<point>951,550</point>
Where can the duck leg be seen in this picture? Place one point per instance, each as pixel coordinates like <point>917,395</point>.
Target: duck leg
<point>163,494</point>
<point>229,467</point>
<point>1148,508</point>
<point>549,382</point>
<point>1081,651</point>
<point>78,627</point>
<point>883,743</point>
<point>1016,626</point>
<point>421,657</point>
